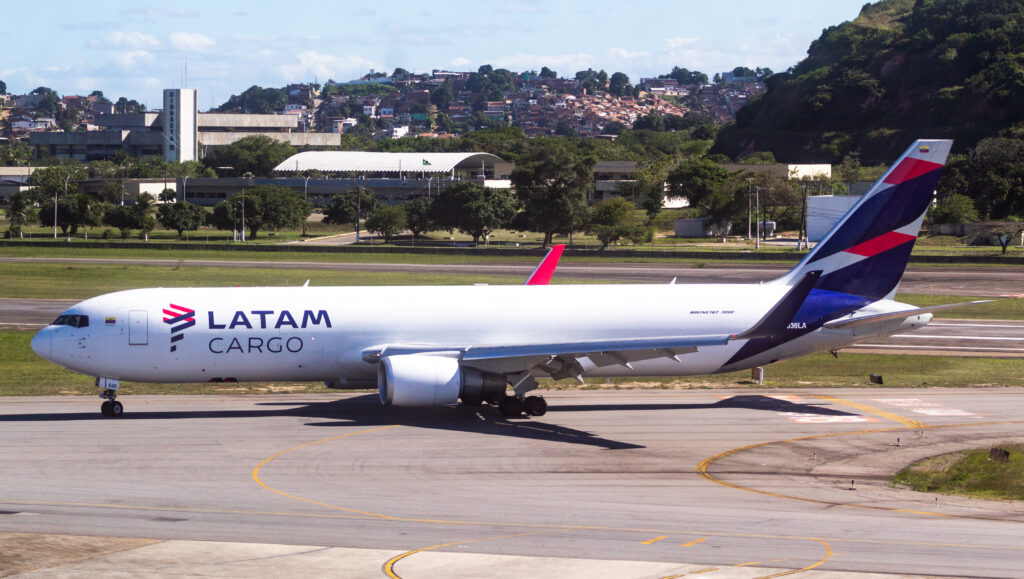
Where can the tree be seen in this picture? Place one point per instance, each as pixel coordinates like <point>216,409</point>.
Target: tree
<point>181,216</point>
<point>19,213</point>
<point>551,183</point>
<point>954,208</point>
<point>619,85</point>
<point>121,217</point>
<point>262,207</point>
<point>3,87</point>
<point>614,219</point>
<point>546,72</point>
<point>256,154</point>
<point>88,212</point>
<point>386,221</point>
<point>473,209</point>
<point>419,215</point>
<point>350,207</point>
<point>167,196</point>
<point>705,185</point>
<point>142,211</point>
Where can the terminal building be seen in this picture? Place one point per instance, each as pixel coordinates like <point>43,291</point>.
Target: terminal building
<point>393,177</point>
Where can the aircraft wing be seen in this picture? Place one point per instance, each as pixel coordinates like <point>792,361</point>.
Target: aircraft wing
<point>557,359</point>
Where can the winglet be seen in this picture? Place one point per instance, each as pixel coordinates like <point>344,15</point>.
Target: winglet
<point>778,318</point>
<point>546,268</point>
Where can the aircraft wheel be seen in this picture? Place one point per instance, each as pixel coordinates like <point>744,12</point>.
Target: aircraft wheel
<point>510,407</point>
<point>536,406</point>
<point>105,408</point>
<point>116,409</point>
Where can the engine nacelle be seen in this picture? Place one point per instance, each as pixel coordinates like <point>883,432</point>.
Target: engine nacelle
<point>425,380</point>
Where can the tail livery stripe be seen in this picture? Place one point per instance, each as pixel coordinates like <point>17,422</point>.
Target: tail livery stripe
<point>881,243</point>
<point>909,169</point>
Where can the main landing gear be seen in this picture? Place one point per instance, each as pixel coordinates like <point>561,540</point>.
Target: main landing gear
<point>512,407</point>
<point>110,408</point>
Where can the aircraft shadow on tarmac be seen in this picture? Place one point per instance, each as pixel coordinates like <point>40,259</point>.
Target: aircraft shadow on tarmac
<point>365,410</point>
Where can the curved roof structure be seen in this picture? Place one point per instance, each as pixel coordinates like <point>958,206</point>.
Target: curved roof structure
<point>364,162</point>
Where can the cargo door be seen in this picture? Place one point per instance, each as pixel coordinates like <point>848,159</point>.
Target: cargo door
<point>138,328</point>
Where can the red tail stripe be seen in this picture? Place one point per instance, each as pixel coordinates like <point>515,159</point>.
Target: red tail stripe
<point>881,243</point>
<point>909,169</point>
<point>182,309</point>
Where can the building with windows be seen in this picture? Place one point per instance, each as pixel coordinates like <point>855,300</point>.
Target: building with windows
<point>177,133</point>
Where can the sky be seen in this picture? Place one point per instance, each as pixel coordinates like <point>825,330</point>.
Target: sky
<point>136,48</point>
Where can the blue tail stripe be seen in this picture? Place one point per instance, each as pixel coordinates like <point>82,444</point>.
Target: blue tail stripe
<point>885,211</point>
<point>873,277</point>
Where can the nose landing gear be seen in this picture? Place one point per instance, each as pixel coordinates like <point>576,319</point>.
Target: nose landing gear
<point>110,408</point>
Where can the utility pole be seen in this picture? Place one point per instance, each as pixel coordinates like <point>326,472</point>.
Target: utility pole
<point>757,216</point>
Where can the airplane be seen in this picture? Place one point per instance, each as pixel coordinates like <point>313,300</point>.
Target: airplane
<point>438,345</point>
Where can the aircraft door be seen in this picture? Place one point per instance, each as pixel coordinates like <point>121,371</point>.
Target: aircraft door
<point>138,328</point>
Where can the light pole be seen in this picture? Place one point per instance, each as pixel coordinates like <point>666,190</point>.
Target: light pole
<point>184,187</point>
<point>249,177</point>
<point>757,217</point>
<point>305,197</point>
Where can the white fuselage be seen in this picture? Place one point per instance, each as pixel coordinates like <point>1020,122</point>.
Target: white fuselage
<point>321,333</point>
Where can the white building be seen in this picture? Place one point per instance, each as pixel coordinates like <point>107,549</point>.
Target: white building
<point>181,122</point>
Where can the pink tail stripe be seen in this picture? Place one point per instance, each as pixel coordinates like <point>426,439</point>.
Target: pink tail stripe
<point>909,169</point>
<point>546,269</point>
<point>881,243</point>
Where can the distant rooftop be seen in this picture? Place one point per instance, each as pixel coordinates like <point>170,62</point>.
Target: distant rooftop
<point>366,162</point>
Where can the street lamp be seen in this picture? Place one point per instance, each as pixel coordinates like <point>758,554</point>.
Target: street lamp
<point>305,197</point>
<point>249,177</point>
<point>184,187</point>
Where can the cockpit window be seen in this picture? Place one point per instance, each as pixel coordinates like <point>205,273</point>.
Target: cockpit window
<point>73,320</point>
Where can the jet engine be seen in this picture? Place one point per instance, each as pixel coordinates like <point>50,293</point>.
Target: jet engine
<point>426,380</point>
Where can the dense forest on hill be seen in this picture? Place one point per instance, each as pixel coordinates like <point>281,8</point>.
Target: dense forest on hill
<point>902,69</point>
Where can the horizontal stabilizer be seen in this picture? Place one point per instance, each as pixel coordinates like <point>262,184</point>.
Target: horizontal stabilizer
<point>854,322</point>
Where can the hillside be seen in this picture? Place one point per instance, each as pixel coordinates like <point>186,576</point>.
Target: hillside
<point>902,69</point>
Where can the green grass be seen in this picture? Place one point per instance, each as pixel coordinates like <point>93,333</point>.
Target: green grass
<point>971,473</point>
<point>997,309</point>
<point>851,370</point>
<point>80,281</point>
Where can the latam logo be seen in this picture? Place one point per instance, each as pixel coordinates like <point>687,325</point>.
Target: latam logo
<point>184,318</point>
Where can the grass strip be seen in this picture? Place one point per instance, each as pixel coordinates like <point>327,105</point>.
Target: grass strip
<point>971,473</point>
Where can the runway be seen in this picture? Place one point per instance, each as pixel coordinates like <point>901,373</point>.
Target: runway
<point>987,281</point>
<point>608,483</point>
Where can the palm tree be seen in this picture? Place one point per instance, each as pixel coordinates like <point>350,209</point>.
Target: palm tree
<point>143,212</point>
<point>20,213</point>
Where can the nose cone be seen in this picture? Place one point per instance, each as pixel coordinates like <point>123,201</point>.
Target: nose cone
<point>42,344</point>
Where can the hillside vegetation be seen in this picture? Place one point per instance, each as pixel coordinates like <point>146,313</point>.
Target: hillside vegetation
<point>903,69</point>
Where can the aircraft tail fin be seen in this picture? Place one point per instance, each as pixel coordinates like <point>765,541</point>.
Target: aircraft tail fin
<point>866,252</point>
<point>546,268</point>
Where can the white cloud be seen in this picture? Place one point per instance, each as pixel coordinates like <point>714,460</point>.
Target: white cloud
<point>564,64</point>
<point>136,40</point>
<point>460,62</point>
<point>131,58</point>
<point>677,43</point>
<point>312,63</point>
<point>620,54</point>
<point>191,41</point>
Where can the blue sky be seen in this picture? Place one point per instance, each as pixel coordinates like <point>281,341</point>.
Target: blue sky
<point>136,48</point>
